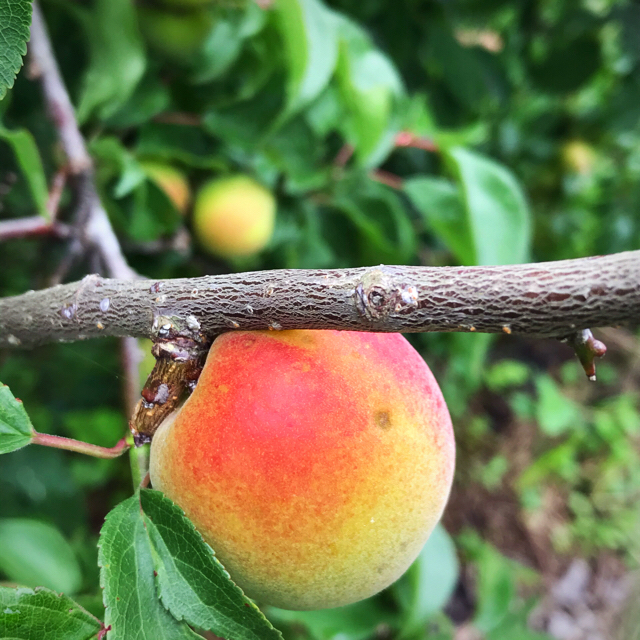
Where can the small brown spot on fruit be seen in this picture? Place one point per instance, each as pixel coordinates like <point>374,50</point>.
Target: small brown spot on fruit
<point>383,419</point>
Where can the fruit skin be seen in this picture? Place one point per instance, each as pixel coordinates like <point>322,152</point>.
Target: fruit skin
<point>172,181</point>
<point>234,216</point>
<point>315,463</point>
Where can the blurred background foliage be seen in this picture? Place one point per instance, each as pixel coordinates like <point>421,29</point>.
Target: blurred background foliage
<point>406,132</point>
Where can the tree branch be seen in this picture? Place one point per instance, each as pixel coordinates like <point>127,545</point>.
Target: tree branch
<point>97,229</point>
<point>553,299</point>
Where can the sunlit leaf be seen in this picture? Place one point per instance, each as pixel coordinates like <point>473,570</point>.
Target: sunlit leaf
<point>497,213</point>
<point>309,32</point>
<point>369,84</point>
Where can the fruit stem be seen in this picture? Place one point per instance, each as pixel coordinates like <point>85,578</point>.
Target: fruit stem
<point>138,460</point>
<point>59,442</point>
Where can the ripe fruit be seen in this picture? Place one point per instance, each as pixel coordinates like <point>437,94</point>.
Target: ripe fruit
<point>171,181</point>
<point>315,463</point>
<point>234,216</point>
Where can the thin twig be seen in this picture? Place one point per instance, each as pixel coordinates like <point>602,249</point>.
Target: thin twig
<point>408,139</point>
<point>97,230</point>
<point>33,226</point>
<point>58,442</point>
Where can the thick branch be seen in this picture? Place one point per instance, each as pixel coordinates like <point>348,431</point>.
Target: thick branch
<point>552,299</point>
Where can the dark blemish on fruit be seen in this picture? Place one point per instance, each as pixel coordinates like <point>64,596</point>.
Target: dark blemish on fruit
<point>383,419</point>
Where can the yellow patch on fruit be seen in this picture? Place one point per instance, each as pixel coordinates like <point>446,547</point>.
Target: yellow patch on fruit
<point>315,463</point>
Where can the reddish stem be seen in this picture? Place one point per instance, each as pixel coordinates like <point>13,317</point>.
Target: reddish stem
<point>32,226</point>
<point>408,139</point>
<point>390,179</point>
<point>59,442</point>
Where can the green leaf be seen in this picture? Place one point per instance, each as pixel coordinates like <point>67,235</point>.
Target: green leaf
<point>117,61</point>
<point>15,19</point>
<point>440,204</point>
<point>133,608</point>
<point>357,621</point>
<point>224,43</point>
<point>35,554</point>
<point>369,83</point>
<point>192,584</point>
<point>186,144</point>
<point>28,157</point>
<point>309,32</point>
<point>381,219</point>
<point>497,213</point>
<point>495,588</point>
<point>41,614</point>
<point>554,411</point>
<point>16,430</point>
<point>429,582</point>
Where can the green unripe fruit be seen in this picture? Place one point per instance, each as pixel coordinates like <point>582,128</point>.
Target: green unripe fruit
<point>171,181</point>
<point>234,216</point>
<point>178,36</point>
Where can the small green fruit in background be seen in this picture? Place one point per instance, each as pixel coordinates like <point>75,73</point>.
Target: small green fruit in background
<point>234,216</point>
<point>172,181</point>
<point>179,36</point>
<point>579,157</point>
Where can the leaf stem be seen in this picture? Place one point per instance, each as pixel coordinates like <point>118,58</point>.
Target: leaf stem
<point>59,442</point>
<point>138,460</point>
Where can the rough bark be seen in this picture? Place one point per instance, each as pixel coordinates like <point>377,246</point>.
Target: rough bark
<point>552,299</point>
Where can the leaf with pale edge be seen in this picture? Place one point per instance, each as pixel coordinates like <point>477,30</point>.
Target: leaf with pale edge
<point>28,157</point>
<point>15,19</point>
<point>497,211</point>
<point>309,31</point>
<point>40,614</point>
<point>193,585</point>
<point>16,430</point>
<point>118,59</point>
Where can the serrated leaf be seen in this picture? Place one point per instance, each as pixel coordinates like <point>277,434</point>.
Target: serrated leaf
<point>118,59</point>
<point>35,554</point>
<point>309,32</point>
<point>497,213</point>
<point>28,157</point>
<point>16,430</point>
<point>440,204</point>
<point>429,582</point>
<point>40,614</point>
<point>15,19</point>
<point>133,608</point>
<point>193,585</point>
